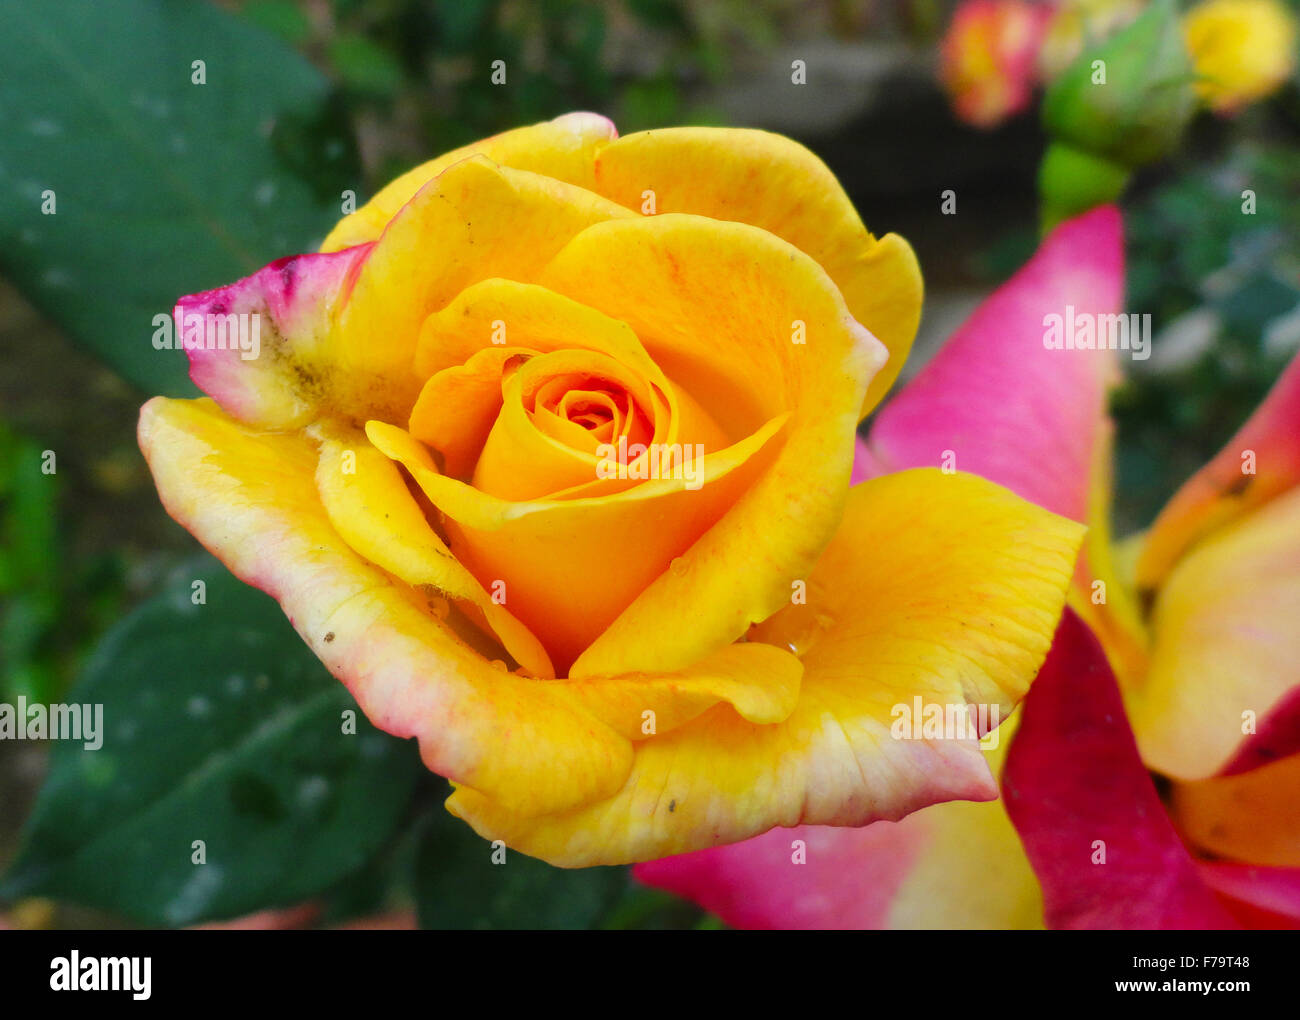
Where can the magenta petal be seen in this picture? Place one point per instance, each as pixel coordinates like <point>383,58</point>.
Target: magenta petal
<point>865,464</point>
<point>1005,405</point>
<point>1259,897</point>
<point>1074,787</point>
<point>848,881</point>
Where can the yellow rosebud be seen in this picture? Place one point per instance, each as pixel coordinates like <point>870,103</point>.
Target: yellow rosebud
<point>1242,50</point>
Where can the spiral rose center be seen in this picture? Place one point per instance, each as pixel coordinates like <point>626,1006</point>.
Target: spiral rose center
<point>602,408</point>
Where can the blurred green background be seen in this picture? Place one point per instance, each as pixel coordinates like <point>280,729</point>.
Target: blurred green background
<point>165,189</point>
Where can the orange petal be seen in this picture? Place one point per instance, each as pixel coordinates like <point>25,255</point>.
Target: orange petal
<point>570,566</point>
<point>1250,817</point>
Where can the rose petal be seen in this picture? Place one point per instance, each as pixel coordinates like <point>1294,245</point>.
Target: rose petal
<point>343,329</point>
<point>251,498</point>
<point>369,505</point>
<point>997,401</point>
<point>945,588</point>
<point>772,182</point>
<point>294,300</point>
<point>563,148</point>
<point>1225,643</point>
<point>1007,407</point>
<point>570,566</point>
<point>1258,897</point>
<point>953,865</point>
<point>1251,817</point>
<point>1075,788</point>
<point>1277,735</point>
<point>473,221</point>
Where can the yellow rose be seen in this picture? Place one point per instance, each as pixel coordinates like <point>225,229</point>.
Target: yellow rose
<point>1242,50</point>
<point>613,656</point>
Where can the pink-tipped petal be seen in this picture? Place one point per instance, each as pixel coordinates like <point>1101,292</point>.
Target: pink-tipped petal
<point>268,381</point>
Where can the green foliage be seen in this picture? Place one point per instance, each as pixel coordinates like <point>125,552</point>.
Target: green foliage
<point>1193,250</point>
<point>459,885</point>
<point>161,186</point>
<point>219,726</point>
<point>30,598</point>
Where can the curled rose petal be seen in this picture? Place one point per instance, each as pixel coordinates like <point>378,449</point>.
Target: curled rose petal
<point>1225,643</point>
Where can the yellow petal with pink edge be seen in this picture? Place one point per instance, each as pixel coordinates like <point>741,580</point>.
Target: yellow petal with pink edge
<point>1225,643</point>
<point>252,499</point>
<point>563,148</point>
<point>940,587</point>
<point>772,182</point>
<point>745,323</point>
<point>1250,817</point>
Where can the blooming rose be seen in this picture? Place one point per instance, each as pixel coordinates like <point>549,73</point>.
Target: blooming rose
<point>1195,648</point>
<point>613,657</point>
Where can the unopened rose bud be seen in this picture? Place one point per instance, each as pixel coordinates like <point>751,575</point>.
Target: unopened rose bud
<point>1120,105</point>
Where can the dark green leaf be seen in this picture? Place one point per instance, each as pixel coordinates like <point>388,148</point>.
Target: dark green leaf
<point>458,886</point>
<point>161,187</point>
<point>220,726</point>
